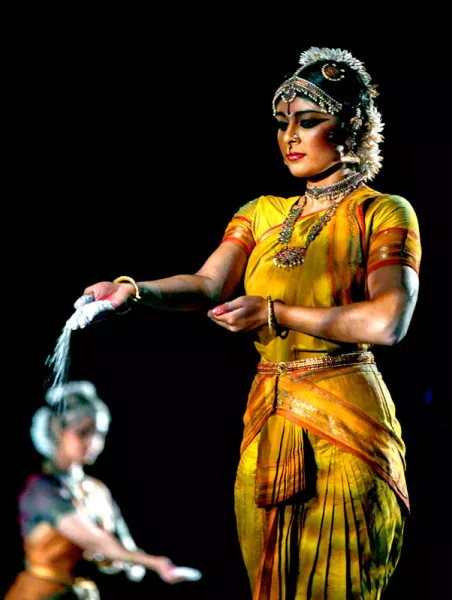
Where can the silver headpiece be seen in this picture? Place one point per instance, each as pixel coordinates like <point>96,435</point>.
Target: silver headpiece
<point>40,430</point>
<point>297,85</point>
<point>366,152</point>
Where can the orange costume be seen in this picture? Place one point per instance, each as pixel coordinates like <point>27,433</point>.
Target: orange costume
<point>51,560</point>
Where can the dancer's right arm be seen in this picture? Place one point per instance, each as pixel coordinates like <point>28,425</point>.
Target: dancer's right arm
<point>213,283</point>
<point>95,540</point>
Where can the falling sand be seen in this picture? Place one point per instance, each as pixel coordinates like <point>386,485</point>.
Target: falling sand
<point>85,313</point>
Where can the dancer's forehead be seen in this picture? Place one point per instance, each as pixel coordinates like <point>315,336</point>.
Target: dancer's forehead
<point>298,106</point>
<point>84,415</point>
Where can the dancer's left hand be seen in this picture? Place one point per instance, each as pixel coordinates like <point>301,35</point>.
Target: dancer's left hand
<point>245,313</point>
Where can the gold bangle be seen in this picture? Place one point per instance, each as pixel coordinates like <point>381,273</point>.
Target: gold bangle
<point>137,295</point>
<point>125,279</point>
<point>270,314</point>
<point>272,322</point>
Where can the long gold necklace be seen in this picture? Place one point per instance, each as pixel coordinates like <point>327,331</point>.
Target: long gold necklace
<point>289,257</point>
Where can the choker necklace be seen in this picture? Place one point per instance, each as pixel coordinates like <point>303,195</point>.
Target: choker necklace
<point>294,256</point>
<point>332,192</point>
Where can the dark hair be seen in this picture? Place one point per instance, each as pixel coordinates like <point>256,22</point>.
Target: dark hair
<point>351,91</point>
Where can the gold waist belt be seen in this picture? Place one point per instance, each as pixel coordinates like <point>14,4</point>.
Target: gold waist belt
<point>321,362</point>
<point>84,588</point>
<point>44,572</point>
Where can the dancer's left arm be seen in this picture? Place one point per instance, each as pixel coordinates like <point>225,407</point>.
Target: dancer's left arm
<point>382,319</point>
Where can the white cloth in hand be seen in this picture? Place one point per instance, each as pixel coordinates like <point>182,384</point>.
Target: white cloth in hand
<point>86,311</point>
<point>187,573</point>
<point>85,299</point>
<point>134,572</point>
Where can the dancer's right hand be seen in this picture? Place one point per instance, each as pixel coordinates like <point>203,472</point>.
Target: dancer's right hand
<point>116,293</point>
<point>169,573</point>
<point>164,567</point>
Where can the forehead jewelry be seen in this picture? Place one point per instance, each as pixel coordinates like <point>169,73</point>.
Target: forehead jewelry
<point>297,85</point>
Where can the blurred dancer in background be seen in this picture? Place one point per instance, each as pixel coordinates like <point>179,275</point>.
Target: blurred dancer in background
<point>67,517</point>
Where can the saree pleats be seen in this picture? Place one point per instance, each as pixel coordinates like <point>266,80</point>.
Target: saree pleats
<point>348,406</point>
<point>339,539</point>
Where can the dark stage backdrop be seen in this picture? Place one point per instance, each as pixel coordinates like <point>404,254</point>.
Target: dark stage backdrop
<point>132,163</point>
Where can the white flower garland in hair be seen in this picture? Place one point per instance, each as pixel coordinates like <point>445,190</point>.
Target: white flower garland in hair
<point>58,393</point>
<point>334,54</point>
<point>83,388</point>
<point>40,425</point>
<point>40,432</point>
<point>368,150</point>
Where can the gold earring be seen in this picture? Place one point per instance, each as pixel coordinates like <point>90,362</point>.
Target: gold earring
<point>349,156</point>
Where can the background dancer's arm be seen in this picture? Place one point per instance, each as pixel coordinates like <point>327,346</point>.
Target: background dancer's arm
<point>95,540</point>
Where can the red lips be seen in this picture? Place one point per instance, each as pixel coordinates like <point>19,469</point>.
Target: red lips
<point>295,156</point>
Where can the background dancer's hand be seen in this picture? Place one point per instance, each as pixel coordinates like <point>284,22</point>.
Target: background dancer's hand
<point>170,573</point>
<point>163,566</point>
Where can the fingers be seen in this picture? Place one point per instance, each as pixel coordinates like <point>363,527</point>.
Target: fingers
<point>174,574</point>
<point>230,313</point>
<point>85,299</point>
<point>246,302</point>
<point>234,320</point>
<point>89,291</point>
<point>223,309</point>
<point>102,290</point>
<point>228,307</point>
<point>242,314</point>
<point>84,315</point>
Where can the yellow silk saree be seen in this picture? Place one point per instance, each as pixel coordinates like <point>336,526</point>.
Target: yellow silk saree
<point>321,485</point>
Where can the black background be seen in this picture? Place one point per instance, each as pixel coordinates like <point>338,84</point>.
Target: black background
<point>135,139</point>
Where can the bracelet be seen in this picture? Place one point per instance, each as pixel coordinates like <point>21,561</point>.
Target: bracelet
<point>125,279</point>
<point>272,322</point>
<point>270,314</point>
<point>137,295</point>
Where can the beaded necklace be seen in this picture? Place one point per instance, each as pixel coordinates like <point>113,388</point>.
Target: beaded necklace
<point>336,190</point>
<point>289,257</point>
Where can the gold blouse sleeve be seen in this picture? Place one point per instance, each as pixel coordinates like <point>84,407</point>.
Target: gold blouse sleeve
<point>240,228</point>
<point>394,234</point>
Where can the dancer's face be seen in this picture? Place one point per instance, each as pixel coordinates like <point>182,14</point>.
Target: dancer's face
<point>81,442</point>
<point>305,133</point>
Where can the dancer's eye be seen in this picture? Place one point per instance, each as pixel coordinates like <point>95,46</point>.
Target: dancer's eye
<point>309,123</point>
<point>282,125</point>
